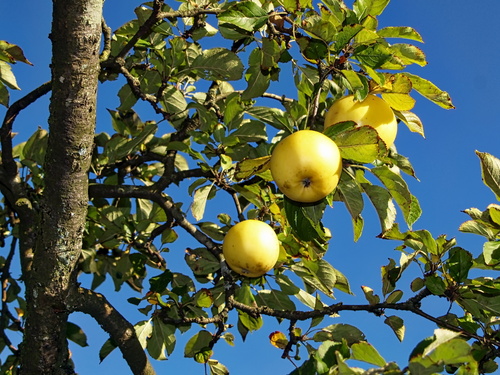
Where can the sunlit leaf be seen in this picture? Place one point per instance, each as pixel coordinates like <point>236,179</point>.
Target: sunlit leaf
<point>362,351</point>
<point>399,102</point>
<point>338,332</point>
<point>218,63</point>
<point>200,201</point>
<point>430,91</point>
<point>248,167</point>
<point>11,53</point>
<point>7,76</point>
<point>278,339</point>
<point>143,331</point>
<point>403,32</point>
<point>382,201</point>
<point>397,325</point>
<point>217,368</point>
<point>4,95</point>
<point>412,121</point>
<point>162,339</point>
<point>490,171</point>
<point>197,343</point>
<point>360,144</point>
<point>245,15</point>
<point>409,54</point>
<point>398,189</point>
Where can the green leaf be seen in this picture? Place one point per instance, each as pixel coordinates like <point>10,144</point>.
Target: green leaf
<point>127,98</point>
<point>339,332</point>
<point>382,201</point>
<point>412,121</point>
<point>491,253</point>
<point>494,212</point>
<point>201,261</point>
<point>159,283</point>
<point>478,227</point>
<point>372,298</point>
<point>200,198</point>
<point>203,298</point>
<point>258,82</point>
<point>250,322</point>
<point>394,297</point>
<point>345,35</point>
<point>106,349</point>
<point>356,83</point>
<point>174,101</point>
<point>403,32</point>
<point>162,339</point>
<point>397,325</point>
<point>364,8</point>
<point>276,299</point>
<point>245,15</point>
<point>143,331</point>
<point>4,95</point>
<point>435,284</point>
<point>430,91</point>
<point>196,344</point>
<point>409,54</point>
<point>305,219</point>
<point>76,334</point>
<point>460,262</point>
<point>12,53</point>
<point>317,274</point>
<point>249,167</point>
<point>217,64</point>
<point>360,144</point>
<point>134,143</point>
<point>217,368</point>
<point>490,171</point>
<point>36,146</point>
<point>362,351</point>
<point>272,116</point>
<point>441,336</point>
<point>7,77</point>
<point>398,189</point>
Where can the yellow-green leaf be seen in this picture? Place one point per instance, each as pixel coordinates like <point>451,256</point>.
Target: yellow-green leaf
<point>363,351</point>
<point>399,102</point>
<point>430,91</point>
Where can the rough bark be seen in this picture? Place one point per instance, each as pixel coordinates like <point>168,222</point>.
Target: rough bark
<point>75,35</point>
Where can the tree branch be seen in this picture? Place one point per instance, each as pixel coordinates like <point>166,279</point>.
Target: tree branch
<point>150,192</point>
<point>121,331</point>
<point>8,121</point>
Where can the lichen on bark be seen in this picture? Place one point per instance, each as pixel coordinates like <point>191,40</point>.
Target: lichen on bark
<point>75,68</point>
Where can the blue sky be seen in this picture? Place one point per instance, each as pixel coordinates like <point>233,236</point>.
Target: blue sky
<point>461,44</point>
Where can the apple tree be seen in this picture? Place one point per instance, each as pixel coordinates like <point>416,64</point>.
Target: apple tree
<point>208,89</point>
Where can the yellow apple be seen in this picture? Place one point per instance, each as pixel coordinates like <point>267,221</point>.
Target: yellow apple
<point>372,111</point>
<point>251,248</point>
<point>306,166</point>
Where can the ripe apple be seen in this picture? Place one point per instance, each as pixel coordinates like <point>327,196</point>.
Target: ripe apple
<point>372,111</point>
<point>306,166</point>
<point>251,248</point>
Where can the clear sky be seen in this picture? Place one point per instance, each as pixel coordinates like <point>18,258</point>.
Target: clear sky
<point>461,43</point>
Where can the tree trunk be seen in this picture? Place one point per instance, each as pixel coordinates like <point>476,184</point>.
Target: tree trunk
<point>76,31</point>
